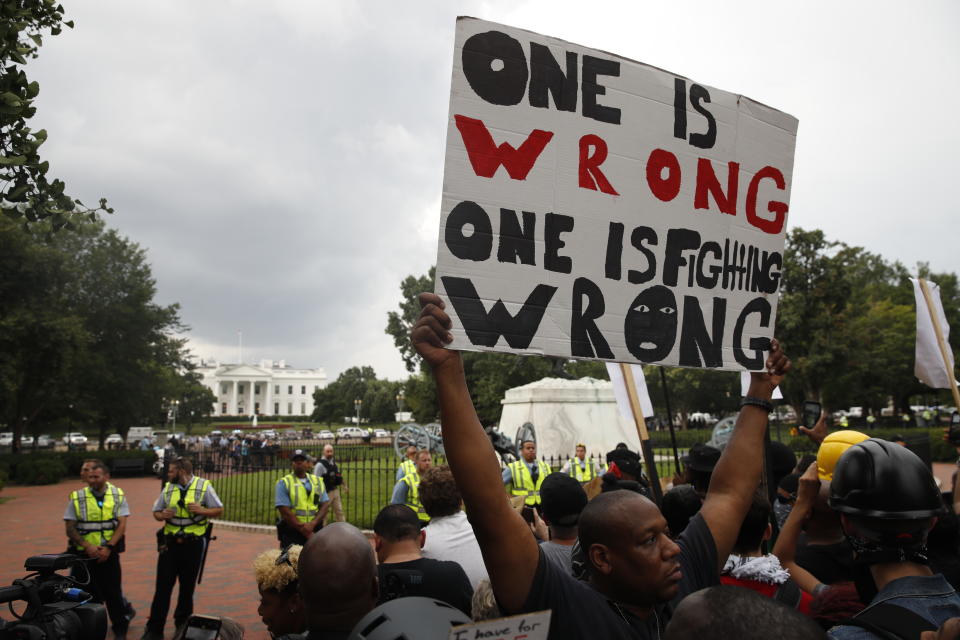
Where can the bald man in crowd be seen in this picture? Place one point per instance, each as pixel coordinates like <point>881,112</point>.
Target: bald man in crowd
<point>338,580</point>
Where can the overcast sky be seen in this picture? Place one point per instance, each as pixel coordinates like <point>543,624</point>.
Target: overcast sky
<point>282,161</point>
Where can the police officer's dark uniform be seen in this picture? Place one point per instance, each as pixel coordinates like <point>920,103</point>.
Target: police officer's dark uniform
<point>181,545</point>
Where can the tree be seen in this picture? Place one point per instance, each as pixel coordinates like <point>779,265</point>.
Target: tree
<point>80,334</point>
<point>26,192</point>
<point>400,323</point>
<point>336,400</point>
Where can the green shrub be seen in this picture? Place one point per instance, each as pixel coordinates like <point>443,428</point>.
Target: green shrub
<point>40,470</point>
<point>3,479</point>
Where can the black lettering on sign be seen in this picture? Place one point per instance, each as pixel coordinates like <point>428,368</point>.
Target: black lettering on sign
<point>759,345</point>
<point>593,67</point>
<point>586,341</point>
<point>495,67</point>
<point>650,326</point>
<point>694,338</point>
<point>555,224</point>
<point>679,108</point>
<point>637,238</point>
<point>612,266</point>
<point>476,246</point>
<point>678,241</point>
<point>517,244</point>
<point>546,75</point>
<point>698,95</point>
<point>484,329</point>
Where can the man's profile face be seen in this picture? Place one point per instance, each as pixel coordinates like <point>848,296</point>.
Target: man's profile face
<point>173,473</point>
<point>84,470</point>
<point>328,451</point>
<point>581,451</point>
<point>411,452</point>
<point>644,563</point>
<point>529,451</point>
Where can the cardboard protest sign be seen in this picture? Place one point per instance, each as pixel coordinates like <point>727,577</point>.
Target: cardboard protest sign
<point>934,364</point>
<point>596,207</point>
<point>527,626</point>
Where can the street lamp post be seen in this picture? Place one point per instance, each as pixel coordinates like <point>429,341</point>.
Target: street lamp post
<point>175,407</point>
<point>357,404</point>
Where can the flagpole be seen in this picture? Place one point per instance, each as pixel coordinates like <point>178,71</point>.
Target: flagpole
<point>935,320</point>
<point>641,425</point>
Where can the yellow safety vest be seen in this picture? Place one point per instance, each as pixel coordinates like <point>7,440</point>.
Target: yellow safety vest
<point>585,474</point>
<point>184,521</point>
<point>97,520</point>
<point>408,466</point>
<point>412,480</point>
<point>522,482</point>
<point>305,505</point>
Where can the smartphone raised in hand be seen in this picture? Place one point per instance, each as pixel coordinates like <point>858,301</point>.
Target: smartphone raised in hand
<point>811,413</point>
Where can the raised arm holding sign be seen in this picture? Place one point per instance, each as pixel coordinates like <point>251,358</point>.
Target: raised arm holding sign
<point>636,569</point>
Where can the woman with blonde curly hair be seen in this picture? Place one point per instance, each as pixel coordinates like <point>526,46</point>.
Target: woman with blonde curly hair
<point>281,608</point>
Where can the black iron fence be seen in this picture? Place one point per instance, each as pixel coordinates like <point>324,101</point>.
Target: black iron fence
<point>246,479</point>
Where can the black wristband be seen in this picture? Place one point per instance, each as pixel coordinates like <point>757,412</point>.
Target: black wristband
<point>757,402</point>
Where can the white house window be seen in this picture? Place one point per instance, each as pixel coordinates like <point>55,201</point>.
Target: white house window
<point>289,408</point>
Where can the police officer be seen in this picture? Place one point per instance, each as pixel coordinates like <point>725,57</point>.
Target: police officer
<point>524,477</point>
<point>96,519</point>
<point>888,502</point>
<point>408,465</point>
<point>579,467</point>
<point>407,489</point>
<point>302,502</point>
<point>184,507</point>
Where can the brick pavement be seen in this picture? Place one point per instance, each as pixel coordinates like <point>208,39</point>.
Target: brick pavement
<point>35,525</point>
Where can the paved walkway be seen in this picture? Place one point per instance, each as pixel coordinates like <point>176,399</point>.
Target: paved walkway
<point>35,526</point>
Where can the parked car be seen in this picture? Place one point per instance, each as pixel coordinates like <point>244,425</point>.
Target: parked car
<point>26,441</point>
<point>269,433</point>
<point>381,433</point>
<point>325,435</point>
<point>44,441</point>
<point>113,441</point>
<point>290,434</point>
<point>75,439</point>
<point>6,439</point>
<point>353,432</point>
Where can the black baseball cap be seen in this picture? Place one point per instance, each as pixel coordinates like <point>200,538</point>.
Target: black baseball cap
<point>626,460</point>
<point>298,455</point>
<point>562,499</point>
<point>702,457</point>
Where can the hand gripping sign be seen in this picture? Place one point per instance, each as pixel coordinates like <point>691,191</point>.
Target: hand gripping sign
<point>596,207</point>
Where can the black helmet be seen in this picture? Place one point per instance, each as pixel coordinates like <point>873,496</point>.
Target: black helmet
<point>881,479</point>
<point>414,617</point>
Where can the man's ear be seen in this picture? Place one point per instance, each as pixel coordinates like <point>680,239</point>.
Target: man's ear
<point>423,537</point>
<point>377,542</point>
<point>768,532</point>
<point>599,557</point>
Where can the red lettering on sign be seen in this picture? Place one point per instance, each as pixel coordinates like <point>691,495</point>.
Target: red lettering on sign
<point>707,183</point>
<point>779,209</point>
<point>665,189</point>
<point>486,157</point>
<point>590,175</point>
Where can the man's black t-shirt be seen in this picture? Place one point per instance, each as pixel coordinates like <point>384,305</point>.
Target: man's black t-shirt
<point>440,579</point>
<point>580,611</point>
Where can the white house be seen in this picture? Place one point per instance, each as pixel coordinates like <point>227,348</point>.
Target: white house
<point>270,389</point>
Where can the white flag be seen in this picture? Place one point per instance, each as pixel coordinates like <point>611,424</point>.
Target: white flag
<point>620,390</point>
<point>929,367</point>
<point>745,384</point>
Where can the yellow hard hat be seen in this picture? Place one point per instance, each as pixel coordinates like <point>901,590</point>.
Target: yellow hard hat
<point>832,447</point>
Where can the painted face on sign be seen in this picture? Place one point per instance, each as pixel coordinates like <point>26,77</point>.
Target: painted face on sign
<point>650,327</point>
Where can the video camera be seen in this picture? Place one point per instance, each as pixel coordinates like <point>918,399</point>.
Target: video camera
<point>57,609</point>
